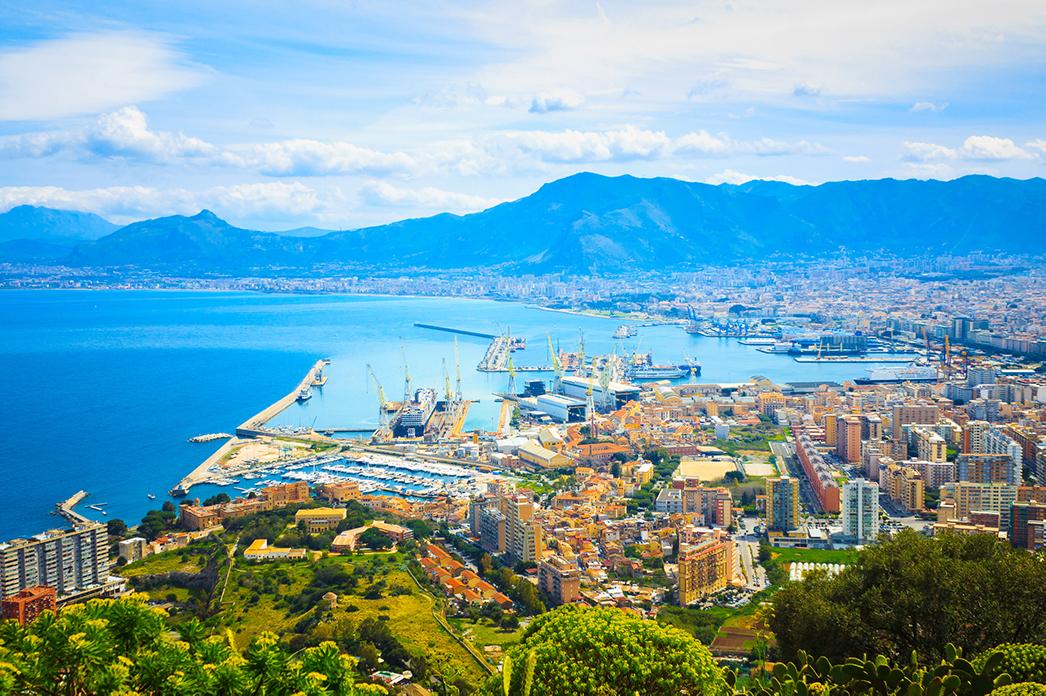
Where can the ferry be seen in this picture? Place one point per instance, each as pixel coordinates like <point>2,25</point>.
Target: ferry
<point>625,331</point>
<point>305,394</point>
<point>649,372</point>
<point>893,375</point>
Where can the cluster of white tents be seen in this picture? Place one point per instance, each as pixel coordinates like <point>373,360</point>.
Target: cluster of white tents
<point>796,571</point>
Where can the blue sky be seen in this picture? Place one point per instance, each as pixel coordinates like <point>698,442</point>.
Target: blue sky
<point>342,114</point>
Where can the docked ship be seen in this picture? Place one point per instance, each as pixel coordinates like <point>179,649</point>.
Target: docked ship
<point>893,375</point>
<point>648,372</point>
<point>690,366</point>
<point>414,416</point>
<point>305,394</point>
<point>625,331</point>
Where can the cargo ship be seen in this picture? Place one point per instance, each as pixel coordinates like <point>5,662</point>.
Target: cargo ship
<point>895,375</point>
<point>414,416</point>
<point>690,366</point>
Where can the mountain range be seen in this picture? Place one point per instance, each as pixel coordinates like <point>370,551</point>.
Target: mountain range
<point>586,223</point>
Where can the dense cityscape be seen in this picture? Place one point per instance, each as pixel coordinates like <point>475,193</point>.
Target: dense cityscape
<point>485,348</point>
<point>611,481</point>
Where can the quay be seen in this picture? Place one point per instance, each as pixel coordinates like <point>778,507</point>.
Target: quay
<point>66,508</point>
<point>255,425</point>
<point>202,472</point>
<point>463,332</point>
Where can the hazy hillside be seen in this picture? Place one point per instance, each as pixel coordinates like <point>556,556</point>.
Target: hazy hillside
<point>592,223</point>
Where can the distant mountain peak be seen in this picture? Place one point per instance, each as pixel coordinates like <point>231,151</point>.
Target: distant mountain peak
<point>589,223</point>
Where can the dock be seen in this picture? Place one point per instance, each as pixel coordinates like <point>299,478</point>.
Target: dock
<point>202,472</point>
<point>462,332</point>
<point>255,425</point>
<point>66,508</point>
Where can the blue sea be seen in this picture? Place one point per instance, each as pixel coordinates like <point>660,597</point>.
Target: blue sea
<point>101,389</point>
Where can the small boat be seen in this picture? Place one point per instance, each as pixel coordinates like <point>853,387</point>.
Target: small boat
<point>305,394</point>
<point>150,496</point>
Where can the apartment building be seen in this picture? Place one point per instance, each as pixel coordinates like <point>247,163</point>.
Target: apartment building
<point>860,510</point>
<point>706,563</point>
<point>782,504</point>
<point>73,561</point>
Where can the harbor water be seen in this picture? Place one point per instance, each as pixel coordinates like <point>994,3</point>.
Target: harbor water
<point>102,389</point>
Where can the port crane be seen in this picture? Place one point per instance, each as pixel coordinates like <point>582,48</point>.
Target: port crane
<point>446,383</point>
<point>457,369</point>
<point>604,384</point>
<point>383,405</point>
<point>406,376</point>
<point>557,366</point>
<point>511,375</point>
<point>580,371</point>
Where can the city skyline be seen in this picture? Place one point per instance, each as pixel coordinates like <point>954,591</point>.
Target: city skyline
<point>346,116</point>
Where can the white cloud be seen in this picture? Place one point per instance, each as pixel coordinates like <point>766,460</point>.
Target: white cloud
<point>86,73</point>
<point>559,100</point>
<point>806,90</point>
<point>702,143</point>
<point>991,149</point>
<point>1037,144</point>
<point>125,133</point>
<point>384,194</point>
<point>928,170</point>
<point>633,143</point>
<point>923,152</point>
<point>856,159</point>
<point>732,176</point>
<point>928,106</point>
<point>127,203</point>
<point>628,143</point>
<point>315,158</point>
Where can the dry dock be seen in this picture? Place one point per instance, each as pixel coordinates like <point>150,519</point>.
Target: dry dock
<point>255,425</point>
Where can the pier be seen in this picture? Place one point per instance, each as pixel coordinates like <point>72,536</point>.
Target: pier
<point>463,332</point>
<point>202,472</point>
<point>255,425</point>
<point>66,508</point>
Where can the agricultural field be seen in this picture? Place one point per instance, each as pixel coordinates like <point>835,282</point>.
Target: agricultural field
<point>705,468</point>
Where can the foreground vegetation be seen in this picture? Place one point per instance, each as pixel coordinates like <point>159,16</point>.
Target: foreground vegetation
<point>126,647</point>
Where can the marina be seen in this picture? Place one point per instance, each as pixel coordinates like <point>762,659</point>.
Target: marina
<point>257,347</point>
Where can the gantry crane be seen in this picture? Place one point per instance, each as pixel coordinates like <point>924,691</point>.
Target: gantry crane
<point>557,366</point>
<point>383,405</point>
<point>511,375</point>
<point>446,384</point>
<point>406,376</point>
<point>457,370</point>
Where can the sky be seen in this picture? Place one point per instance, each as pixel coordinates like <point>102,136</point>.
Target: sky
<point>347,113</point>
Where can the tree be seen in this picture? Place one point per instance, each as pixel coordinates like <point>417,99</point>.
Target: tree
<point>579,651</point>
<point>216,499</point>
<point>733,477</point>
<point>916,594</point>
<point>124,646</point>
<point>116,528</point>
<point>372,538</point>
